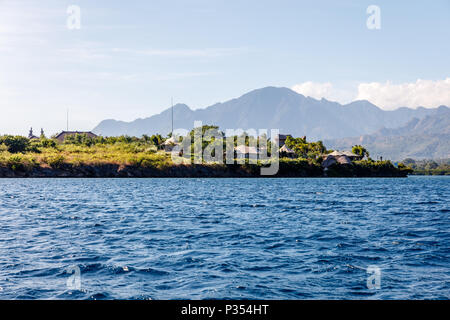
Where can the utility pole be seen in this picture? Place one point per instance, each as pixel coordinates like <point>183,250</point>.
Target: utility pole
<point>172,117</point>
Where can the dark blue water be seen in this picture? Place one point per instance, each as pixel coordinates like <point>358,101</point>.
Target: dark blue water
<point>224,238</point>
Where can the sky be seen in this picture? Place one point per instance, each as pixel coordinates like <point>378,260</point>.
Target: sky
<point>128,59</point>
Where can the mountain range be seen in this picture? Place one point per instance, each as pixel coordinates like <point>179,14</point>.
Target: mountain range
<point>426,138</point>
<point>295,114</point>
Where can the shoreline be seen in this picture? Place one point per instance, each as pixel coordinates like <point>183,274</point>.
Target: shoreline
<point>199,171</point>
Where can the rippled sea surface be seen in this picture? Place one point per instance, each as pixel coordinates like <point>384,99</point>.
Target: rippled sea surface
<point>224,238</point>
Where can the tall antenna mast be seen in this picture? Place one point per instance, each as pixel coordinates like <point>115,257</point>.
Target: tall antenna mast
<point>172,117</point>
<point>67,119</point>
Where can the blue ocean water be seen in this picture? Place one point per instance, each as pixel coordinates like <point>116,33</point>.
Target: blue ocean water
<point>224,238</point>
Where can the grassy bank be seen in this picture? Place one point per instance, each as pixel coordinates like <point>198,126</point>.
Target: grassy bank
<point>81,156</point>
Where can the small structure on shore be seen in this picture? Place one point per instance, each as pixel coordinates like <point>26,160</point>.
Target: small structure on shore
<point>348,154</point>
<point>169,144</point>
<point>280,139</point>
<point>31,136</point>
<point>352,156</point>
<point>328,161</point>
<point>286,152</point>
<point>61,136</point>
<point>344,158</point>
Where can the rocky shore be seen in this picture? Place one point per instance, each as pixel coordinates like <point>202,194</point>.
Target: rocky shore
<point>192,171</point>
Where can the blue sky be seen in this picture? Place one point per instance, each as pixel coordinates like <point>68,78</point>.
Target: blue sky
<point>130,57</point>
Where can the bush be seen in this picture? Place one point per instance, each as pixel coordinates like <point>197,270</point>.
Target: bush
<point>15,144</point>
<point>54,161</point>
<point>48,143</point>
<point>16,163</point>
<point>34,146</point>
<point>79,139</point>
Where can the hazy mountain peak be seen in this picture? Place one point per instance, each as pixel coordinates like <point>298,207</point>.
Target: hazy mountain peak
<point>179,107</point>
<point>271,93</point>
<point>272,90</point>
<point>275,108</point>
<point>362,104</point>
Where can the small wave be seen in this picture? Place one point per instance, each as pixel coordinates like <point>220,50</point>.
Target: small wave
<point>153,272</point>
<point>100,296</point>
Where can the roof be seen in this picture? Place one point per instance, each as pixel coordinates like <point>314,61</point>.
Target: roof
<point>350,154</point>
<point>284,148</point>
<point>337,154</point>
<point>343,160</point>
<point>330,160</point>
<point>75,132</point>
<point>170,141</point>
<point>344,153</point>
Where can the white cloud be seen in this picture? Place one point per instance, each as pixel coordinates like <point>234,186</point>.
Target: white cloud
<point>389,96</point>
<point>318,90</point>
<point>314,89</point>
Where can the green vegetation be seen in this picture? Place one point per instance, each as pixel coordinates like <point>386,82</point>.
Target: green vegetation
<point>19,153</point>
<point>360,151</point>
<point>81,155</point>
<point>311,151</point>
<point>428,167</point>
<point>15,144</point>
<point>371,168</point>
